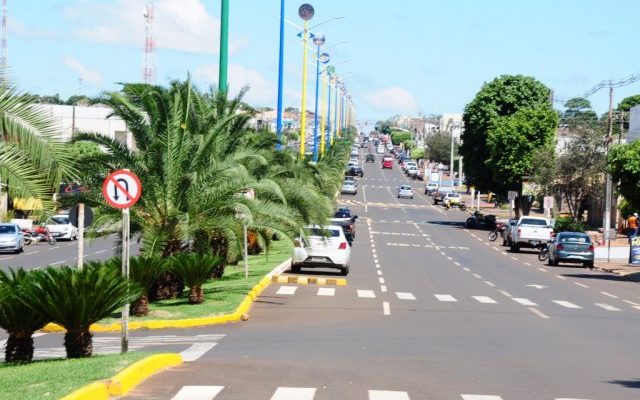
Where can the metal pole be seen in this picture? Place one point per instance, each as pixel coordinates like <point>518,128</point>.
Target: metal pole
<point>303,109</point>
<point>607,201</point>
<point>338,111</point>
<point>124,334</point>
<point>323,141</point>
<point>329,126</point>
<point>315,119</point>
<point>280,78</point>
<point>460,172</point>
<point>246,251</point>
<point>80,235</point>
<point>224,46</point>
<point>451,162</point>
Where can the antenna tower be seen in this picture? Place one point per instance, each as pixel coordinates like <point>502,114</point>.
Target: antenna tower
<point>149,69</point>
<point>3,56</point>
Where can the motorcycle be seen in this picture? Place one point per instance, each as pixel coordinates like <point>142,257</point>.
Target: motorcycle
<point>499,229</point>
<point>449,204</point>
<point>27,237</point>
<point>479,220</point>
<point>42,234</point>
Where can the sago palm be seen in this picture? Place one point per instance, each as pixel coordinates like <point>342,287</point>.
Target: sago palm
<point>16,318</point>
<point>195,270</point>
<point>75,299</point>
<point>144,271</point>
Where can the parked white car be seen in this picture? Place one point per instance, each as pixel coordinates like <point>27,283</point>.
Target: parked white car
<point>530,232</point>
<point>405,191</point>
<point>323,247</point>
<point>61,228</point>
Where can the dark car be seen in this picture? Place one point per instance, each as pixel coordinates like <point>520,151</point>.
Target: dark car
<point>370,158</point>
<point>344,218</point>
<point>355,171</point>
<point>571,247</point>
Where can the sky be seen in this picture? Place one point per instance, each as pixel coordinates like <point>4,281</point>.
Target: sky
<point>397,57</point>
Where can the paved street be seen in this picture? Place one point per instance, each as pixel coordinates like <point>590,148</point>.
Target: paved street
<point>431,311</point>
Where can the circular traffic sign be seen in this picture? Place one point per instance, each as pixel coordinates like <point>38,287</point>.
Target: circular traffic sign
<point>306,12</point>
<point>121,189</point>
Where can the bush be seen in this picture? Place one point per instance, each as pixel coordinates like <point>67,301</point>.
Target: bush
<point>194,269</point>
<point>400,137</point>
<point>569,225</point>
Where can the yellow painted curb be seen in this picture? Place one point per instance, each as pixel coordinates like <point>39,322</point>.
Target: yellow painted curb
<point>94,391</point>
<point>131,376</point>
<point>306,280</point>
<point>237,315</point>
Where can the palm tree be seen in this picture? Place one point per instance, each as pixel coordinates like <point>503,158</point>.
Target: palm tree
<point>144,271</point>
<point>33,160</point>
<point>194,269</point>
<point>75,299</point>
<point>16,318</point>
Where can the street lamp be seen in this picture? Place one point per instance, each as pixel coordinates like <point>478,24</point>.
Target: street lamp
<point>280,78</point>
<point>305,12</point>
<point>318,40</point>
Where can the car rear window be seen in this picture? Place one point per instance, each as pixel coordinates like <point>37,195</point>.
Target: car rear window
<point>405,187</point>
<point>7,229</point>
<point>323,232</point>
<point>574,238</point>
<point>532,221</point>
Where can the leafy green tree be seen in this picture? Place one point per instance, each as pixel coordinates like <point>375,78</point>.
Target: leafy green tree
<point>502,97</point>
<point>398,137</point>
<point>628,102</point>
<point>623,162</point>
<point>578,114</point>
<point>439,148</point>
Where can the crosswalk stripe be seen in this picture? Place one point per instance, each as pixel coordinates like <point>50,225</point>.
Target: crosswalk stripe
<point>480,397</point>
<point>607,307</point>
<point>485,299</point>
<point>288,393</point>
<point>387,395</point>
<point>287,290</point>
<point>197,393</point>
<point>566,398</point>
<point>196,351</point>
<point>445,297</point>
<point>405,296</point>
<point>524,302</point>
<point>326,291</point>
<point>566,304</point>
<point>366,294</point>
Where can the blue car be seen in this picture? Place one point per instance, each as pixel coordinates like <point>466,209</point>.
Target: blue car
<point>11,238</point>
<point>571,247</point>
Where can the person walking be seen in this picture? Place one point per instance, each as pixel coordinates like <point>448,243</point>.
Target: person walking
<point>632,225</point>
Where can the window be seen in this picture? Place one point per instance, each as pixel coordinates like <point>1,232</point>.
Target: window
<point>574,239</point>
<point>4,229</point>
<point>323,232</point>
<point>532,221</point>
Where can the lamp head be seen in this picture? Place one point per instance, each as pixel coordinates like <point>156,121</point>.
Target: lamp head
<point>318,39</point>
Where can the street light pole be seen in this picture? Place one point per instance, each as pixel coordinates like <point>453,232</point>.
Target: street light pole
<point>329,126</point>
<point>224,47</point>
<point>318,40</point>
<point>324,113</point>
<point>280,78</point>
<point>305,12</point>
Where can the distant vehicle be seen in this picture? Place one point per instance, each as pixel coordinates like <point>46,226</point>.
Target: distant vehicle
<point>380,149</point>
<point>349,188</point>
<point>11,238</point>
<point>439,194</point>
<point>370,158</point>
<point>352,163</point>
<point>355,171</point>
<point>61,228</point>
<point>405,191</point>
<point>571,247</point>
<point>345,219</point>
<point>387,162</point>
<point>531,232</point>
<point>323,247</point>
<point>430,188</point>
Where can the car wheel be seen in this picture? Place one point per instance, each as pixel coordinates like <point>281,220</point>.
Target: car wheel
<point>556,262</point>
<point>411,197</point>
<point>588,264</point>
<point>514,248</point>
<point>344,270</point>
<point>295,268</point>
<point>549,261</point>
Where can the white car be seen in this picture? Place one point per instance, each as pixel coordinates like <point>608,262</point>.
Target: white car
<point>405,191</point>
<point>380,149</point>
<point>61,228</point>
<point>349,187</point>
<point>324,247</point>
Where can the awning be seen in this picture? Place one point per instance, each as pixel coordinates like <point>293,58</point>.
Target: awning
<point>27,204</point>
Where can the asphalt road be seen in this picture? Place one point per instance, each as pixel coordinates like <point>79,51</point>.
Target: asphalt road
<point>431,311</point>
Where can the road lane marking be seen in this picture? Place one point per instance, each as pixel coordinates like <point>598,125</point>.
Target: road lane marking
<point>386,310</point>
<point>504,292</point>
<point>405,296</point>
<point>288,290</point>
<point>466,269</point>
<point>373,250</point>
<point>528,264</point>
<point>539,313</point>
<point>445,297</point>
<point>37,251</point>
<point>485,299</point>
<point>101,251</point>
<point>449,258</point>
<point>607,307</point>
<point>368,294</point>
<point>58,262</point>
<point>474,235</point>
<point>197,393</point>
<point>524,302</point>
<point>381,280</point>
<point>480,397</point>
<point>631,302</point>
<point>457,263</point>
<point>325,291</point>
<point>581,284</point>
<point>196,351</point>
<point>477,276</point>
<point>6,258</point>
<point>613,296</point>
<point>566,304</point>
<point>561,277</point>
<point>387,395</point>
<point>383,288</point>
<point>443,253</point>
<point>289,393</point>
<point>490,283</point>
<point>514,258</point>
<point>542,269</point>
<point>379,272</point>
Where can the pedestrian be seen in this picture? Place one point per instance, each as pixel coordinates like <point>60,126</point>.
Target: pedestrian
<point>632,225</point>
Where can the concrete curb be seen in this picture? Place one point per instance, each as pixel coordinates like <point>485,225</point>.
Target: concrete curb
<point>127,379</point>
<point>304,280</point>
<point>239,314</point>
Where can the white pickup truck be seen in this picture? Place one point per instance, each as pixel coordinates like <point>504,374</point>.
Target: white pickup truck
<point>530,232</point>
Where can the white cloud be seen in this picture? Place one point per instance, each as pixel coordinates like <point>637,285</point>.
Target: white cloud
<point>183,25</point>
<point>261,91</point>
<point>91,77</point>
<point>393,100</point>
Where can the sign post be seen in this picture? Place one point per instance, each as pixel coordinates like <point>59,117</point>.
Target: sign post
<point>80,235</point>
<point>122,189</point>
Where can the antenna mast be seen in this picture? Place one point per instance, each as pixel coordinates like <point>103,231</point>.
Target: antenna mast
<point>149,69</point>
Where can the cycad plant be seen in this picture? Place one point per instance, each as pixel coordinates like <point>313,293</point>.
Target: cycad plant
<point>194,269</point>
<point>75,299</point>
<point>144,271</point>
<point>16,318</point>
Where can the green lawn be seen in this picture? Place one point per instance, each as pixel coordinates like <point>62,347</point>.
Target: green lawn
<point>222,296</point>
<point>53,379</point>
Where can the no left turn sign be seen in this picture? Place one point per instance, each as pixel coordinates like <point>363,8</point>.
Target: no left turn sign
<point>121,189</point>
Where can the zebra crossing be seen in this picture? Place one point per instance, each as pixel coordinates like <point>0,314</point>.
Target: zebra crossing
<point>290,290</point>
<point>308,393</point>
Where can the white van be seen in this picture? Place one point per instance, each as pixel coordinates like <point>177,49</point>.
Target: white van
<point>380,149</point>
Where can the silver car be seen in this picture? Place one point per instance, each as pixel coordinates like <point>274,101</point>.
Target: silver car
<point>11,238</point>
<point>571,247</point>
<point>405,191</point>
<point>349,187</point>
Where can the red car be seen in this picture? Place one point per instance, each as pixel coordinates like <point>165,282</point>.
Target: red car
<point>387,162</point>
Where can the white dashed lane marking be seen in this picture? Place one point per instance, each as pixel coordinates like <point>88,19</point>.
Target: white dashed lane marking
<point>326,291</point>
<point>369,294</point>
<point>405,296</point>
<point>445,297</point>
<point>524,302</point>
<point>607,307</point>
<point>288,290</point>
<point>485,299</point>
<point>567,304</point>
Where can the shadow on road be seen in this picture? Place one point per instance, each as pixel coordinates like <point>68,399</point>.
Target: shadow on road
<point>459,224</point>
<point>315,272</point>
<point>604,277</point>
<point>632,384</point>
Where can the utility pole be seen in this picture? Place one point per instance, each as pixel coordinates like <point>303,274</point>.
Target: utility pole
<point>607,201</point>
<point>224,47</point>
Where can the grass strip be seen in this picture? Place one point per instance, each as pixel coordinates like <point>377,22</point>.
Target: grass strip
<point>222,296</point>
<point>53,379</point>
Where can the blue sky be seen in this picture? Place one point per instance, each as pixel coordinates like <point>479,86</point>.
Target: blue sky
<point>401,57</point>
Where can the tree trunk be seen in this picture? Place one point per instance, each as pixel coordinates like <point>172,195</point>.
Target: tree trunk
<point>141,306</point>
<point>196,295</point>
<point>19,347</point>
<point>78,343</point>
<point>523,205</point>
<point>167,286</point>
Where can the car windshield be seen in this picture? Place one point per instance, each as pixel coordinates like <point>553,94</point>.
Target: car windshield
<point>573,238</point>
<point>533,221</point>
<point>342,214</point>
<point>4,229</point>
<point>60,220</point>
<point>405,187</point>
<point>324,232</point>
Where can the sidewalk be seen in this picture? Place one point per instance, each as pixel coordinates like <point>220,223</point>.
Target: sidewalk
<point>620,268</point>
